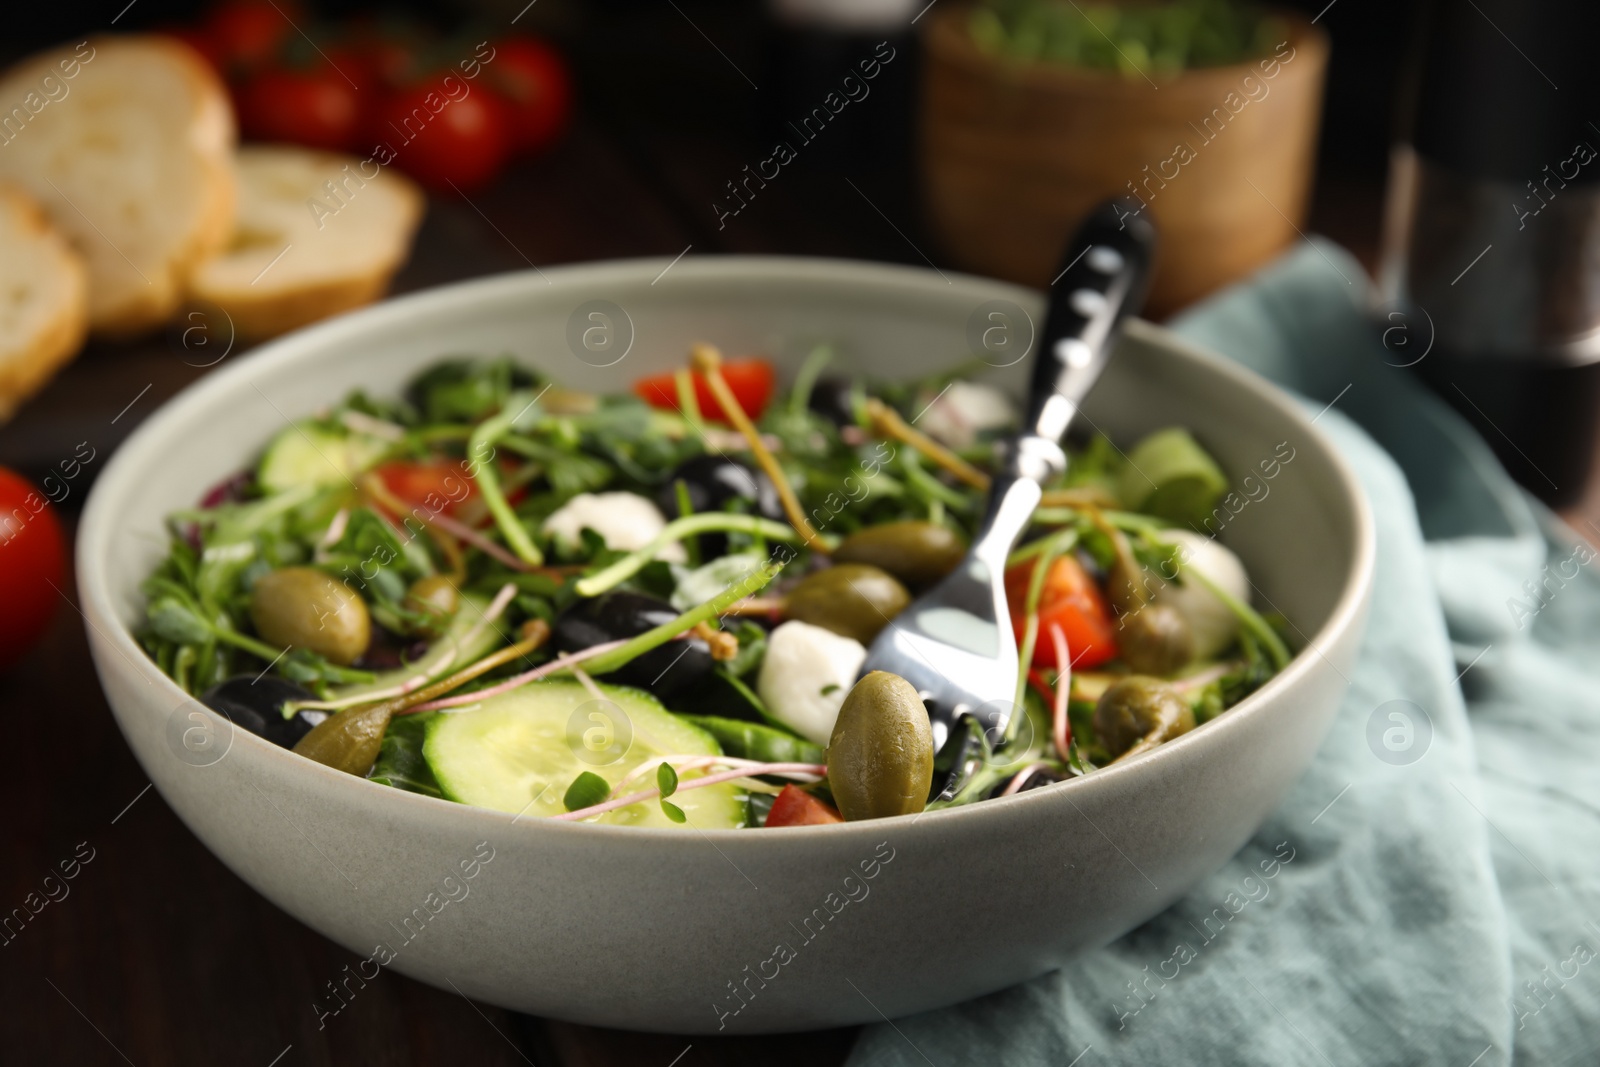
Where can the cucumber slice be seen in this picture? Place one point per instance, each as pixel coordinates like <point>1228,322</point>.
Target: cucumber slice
<point>519,751</point>
<point>467,639</point>
<point>1170,476</point>
<point>308,454</point>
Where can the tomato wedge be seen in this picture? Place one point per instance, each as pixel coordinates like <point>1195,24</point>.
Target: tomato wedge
<point>437,484</point>
<point>796,807</point>
<point>1071,600</point>
<point>751,380</point>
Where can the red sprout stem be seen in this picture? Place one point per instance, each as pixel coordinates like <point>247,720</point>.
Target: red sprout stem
<point>1020,779</point>
<point>560,663</point>
<point>463,532</point>
<point>1061,725</point>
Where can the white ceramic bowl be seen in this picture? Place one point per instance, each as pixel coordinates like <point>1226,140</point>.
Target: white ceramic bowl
<point>727,930</point>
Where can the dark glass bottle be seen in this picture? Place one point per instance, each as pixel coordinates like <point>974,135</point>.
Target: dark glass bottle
<point>843,78</point>
<point>1493,229</point>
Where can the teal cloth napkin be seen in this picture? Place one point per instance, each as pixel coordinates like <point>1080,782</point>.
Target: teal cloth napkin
<point>1440,907</point>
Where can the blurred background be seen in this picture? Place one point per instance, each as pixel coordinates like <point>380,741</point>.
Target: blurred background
<point>1427,139</point>
<point>644,127</point>
<point>984,129</point>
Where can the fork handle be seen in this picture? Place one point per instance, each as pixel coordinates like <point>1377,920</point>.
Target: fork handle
<point>1103,280</point>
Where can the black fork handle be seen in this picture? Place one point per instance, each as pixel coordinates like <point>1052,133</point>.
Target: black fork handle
<point>1104,278</point>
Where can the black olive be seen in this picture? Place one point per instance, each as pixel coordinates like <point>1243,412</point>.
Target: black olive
<point>833,399</point>
<point>712,483</point>
<point>1037,780</point>
<point>664,671</point>
<point>256,702</point>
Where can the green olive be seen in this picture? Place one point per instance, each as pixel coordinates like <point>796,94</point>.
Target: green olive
<point>305,608</point>
<point>348,741</point>
<point>852,599</point>
<point>436,597</point>
<point>880,758</point>
<point>1156,639</point>
<point>918,553</point>
<point>1137,713</point>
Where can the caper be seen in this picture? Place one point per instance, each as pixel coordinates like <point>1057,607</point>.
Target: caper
<point>305,608</point>
<point>436,598</point>
<point>1137,712</point>
<point>918,553</point>
<point>1156,639</point>
<point>1129,585</point>
<point>880,758</point>
<point>851,599</point>
<point>350,740</point>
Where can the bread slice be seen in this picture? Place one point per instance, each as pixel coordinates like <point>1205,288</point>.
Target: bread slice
<point>318,233</point>
<point>128,144</point>
<point>44,308</point>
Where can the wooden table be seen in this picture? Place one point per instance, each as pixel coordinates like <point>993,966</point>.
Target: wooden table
<point>159,954</point>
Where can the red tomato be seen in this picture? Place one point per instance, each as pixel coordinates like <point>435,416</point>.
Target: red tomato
<point>796,807</point>
<point>31,555</point>
<point>750,379</point>
<point>248,33</point>
<point>1070,599</point>
<point>533,79</point>
<point>445,131</point>
<point>428,484</point>
<point>386,48</point>
<point>350,62</point>
<point>316,107</point>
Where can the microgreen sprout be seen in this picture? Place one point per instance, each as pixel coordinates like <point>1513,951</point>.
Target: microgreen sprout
<point>667,784</point>
<point>480,446</point>
<point>586,790</point>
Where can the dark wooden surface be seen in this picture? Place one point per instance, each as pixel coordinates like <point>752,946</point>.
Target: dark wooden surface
<point>159,954</point>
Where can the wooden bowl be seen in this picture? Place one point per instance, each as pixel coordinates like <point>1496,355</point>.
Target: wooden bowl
<point>1014,156</point>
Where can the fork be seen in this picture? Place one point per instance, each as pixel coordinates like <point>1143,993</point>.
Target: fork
<point>955,643</point>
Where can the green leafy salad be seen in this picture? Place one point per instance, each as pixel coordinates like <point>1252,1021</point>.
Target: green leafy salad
<point>652,609</point>
<point>1141,38</point>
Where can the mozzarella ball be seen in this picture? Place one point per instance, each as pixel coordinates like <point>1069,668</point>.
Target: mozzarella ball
<point>964,411</point>
<point>624,521</point>
<point>807,673</point>
<point>1214,626</point>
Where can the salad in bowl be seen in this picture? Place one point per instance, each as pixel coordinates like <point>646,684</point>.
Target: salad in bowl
<point>653,608</point>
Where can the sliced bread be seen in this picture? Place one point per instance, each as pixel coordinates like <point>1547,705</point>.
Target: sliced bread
<point>44,310</point>
<point>128,143</point>
<point>318,233</point>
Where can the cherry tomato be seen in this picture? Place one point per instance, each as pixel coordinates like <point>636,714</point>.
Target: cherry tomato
<point>750,379</point>
<point>436,483</point>
<point>796,807</point>
<point>315,107</point>
<point>249,33</point>
<point>31,559</point>
<point>446,131</point>
<point>385,48</point>
<point>349,62</point>
<point>1071,600</point>
<point>533,79</point>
